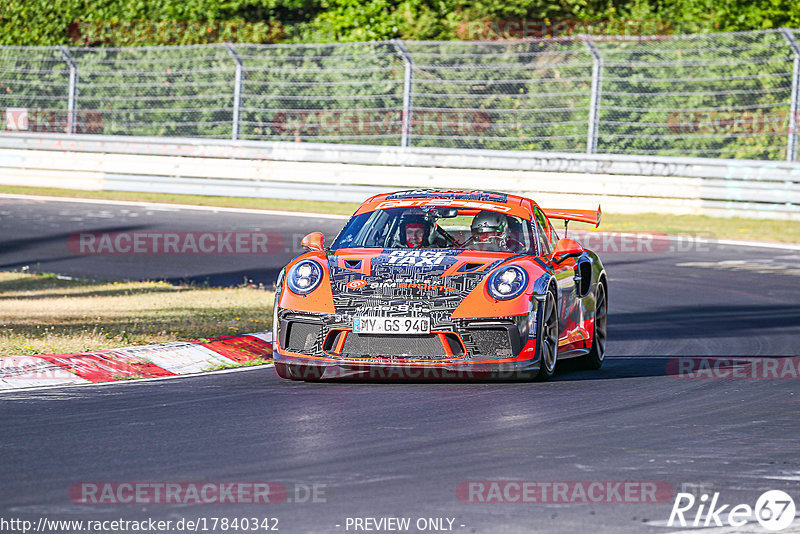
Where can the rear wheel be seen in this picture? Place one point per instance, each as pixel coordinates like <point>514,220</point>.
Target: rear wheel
<point>594,360</point>
<point>547,337</point>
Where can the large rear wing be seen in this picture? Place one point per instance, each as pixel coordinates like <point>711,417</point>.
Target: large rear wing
<point>587,216</point>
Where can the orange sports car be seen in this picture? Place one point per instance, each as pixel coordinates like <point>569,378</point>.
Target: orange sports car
<point>439,285</point>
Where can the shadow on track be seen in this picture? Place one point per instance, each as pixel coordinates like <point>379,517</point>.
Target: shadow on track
<point>15,245</point>
<point>687,322</point>
<point>264,276</point>
<point>650,366</point>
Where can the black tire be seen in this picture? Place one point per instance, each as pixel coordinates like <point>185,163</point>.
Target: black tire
<point>547,337</point>
<point>594,360</point>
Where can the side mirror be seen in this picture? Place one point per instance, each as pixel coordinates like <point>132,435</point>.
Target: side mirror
<point>566,248</point>
<point>314,241</point>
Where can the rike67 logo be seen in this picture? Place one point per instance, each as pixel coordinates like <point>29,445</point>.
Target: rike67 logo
<point>774,510</point>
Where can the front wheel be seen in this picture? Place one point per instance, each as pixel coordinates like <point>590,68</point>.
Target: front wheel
<point>547,338</point>
<point>594,360</point>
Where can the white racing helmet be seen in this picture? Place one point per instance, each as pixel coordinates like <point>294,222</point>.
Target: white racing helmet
<point>487,222</point>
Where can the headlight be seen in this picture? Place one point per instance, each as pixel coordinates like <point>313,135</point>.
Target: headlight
<point>304,277</point>
<point>507,283</point>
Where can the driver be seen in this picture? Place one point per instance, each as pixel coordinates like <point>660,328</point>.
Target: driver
<point>414,232</point>
<point>489,228</point>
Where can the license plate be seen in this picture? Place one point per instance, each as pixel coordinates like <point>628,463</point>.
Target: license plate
<point>391,325</point>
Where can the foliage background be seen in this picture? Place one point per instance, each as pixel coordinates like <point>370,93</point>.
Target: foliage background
<point>721,95</point>
<point>47,22</point>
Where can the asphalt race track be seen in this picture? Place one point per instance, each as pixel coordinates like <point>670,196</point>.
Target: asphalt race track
<point>37,234</point>
<point>402,450</point>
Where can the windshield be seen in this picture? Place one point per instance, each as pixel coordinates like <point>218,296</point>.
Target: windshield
<point>447,228</point>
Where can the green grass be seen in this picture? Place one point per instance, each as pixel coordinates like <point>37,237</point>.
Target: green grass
<point>713,227</point>
<point>251,363</point>
<point>45,314</point>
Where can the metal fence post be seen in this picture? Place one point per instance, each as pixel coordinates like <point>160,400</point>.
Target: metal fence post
<point>237,90</point>
<point>72,95</point>
<point>594,101</point>
<point>408,81</point>
<point>794,105</point>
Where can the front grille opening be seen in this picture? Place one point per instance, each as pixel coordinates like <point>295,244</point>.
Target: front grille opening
<point>492,342</point>
<point>392,346</point>
<point>302,337</point>
<point>332,340</point>
<point>455,344</point>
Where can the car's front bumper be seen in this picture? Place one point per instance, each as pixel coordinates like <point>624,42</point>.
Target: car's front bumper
<point>298,368</point>
<point>309,346</point>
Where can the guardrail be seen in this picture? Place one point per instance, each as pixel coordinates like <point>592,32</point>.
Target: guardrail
<point>350,173</point>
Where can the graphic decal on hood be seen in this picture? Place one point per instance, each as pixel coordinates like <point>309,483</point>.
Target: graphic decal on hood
<point>406,281</point>
<point>417,258</point>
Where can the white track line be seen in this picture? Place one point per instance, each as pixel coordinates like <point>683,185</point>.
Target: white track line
<point>758,244</point>
<point>146,204</point>
<point>729,242</point>
<point>751,527</point>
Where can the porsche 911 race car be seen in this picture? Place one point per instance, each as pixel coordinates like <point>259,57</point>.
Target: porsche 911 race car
<point>439,285</point>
